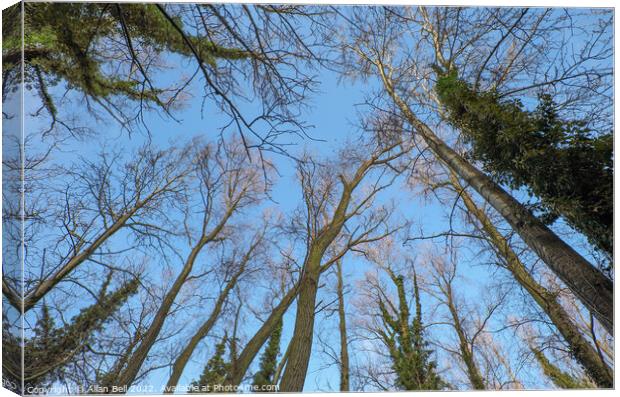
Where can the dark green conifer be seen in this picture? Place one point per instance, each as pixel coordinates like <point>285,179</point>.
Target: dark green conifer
<point>71,43</point>
<point>214,373</point>
<point>52,348</point>
<point>269,359</point>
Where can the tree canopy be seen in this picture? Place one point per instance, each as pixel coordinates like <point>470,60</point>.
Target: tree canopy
<point>250,197</point>
<point>562,162</point>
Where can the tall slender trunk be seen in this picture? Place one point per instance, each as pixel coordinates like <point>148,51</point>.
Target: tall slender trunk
<point>203,331</point>
<point>589,284</point>
<point>583,351</point>
<point>344,348</point>
<point>252,348</point>
<point>301,343</point>
<point>128,375</point>
<point>467,353</point>
<point>281,364</point>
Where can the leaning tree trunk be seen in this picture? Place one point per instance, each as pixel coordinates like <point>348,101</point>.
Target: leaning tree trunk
<point>294,375</point>
<point>252,348</point>
<point>589,284</point>
<point>583,351</point>
<point>281,365</point>
<point>128,375</point>
<point>203,331</point>
<point>342,326</point>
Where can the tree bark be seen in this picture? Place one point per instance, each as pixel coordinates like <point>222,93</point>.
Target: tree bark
<point>252,348</point>
<point>583,351</point>
<point>301,344</point>
<point>281,364</point>
<point>589,284</point>
<point>344,348</point>
<point>128,375</point>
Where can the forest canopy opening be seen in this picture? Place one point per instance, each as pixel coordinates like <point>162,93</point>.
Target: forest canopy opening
<point>259,198</point>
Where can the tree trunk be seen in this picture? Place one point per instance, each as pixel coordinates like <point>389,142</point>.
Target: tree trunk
<point>45,286</point>
<point>583,351</point>
<point>203,331</point>
<point>281,364</point>
<point>344,349</point>
<point>294,375</point>
<point>252,348</point>
<point>128,375</point>
<point>467,354</point>
<point>590,285</point>
<point>258,340</point>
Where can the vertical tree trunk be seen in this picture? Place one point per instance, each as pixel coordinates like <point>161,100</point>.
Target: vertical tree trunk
<point>344,348</point>
<point>583,351</point>
<point>467,354</point>
<point>294,375</point>
<point>590,285</point>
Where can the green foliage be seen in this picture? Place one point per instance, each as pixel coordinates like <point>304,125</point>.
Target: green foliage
<point>269,359</point>
<point>75,43</point>
<point>561,379</point>
<point>560,161</point>
<point>214,373</point>
<point>411,357</point>
<point>50,350</point>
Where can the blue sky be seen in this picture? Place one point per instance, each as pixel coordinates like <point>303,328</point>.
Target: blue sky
<point>333,112</point>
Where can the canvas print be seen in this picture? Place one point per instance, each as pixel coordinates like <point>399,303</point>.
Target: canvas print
<point>258,198</point>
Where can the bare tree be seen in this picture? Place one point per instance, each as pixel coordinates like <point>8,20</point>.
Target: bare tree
<point>206,326</point>
<point>227,182</point>
<point>342,328</point>
<point>353,223</point>
<point>335,356</point>
<point>468,328</point>
<point>583,351</point>
<point>326,219</point>
<point>113,59</point>
<point>497,365</point>
<point>99,201</point>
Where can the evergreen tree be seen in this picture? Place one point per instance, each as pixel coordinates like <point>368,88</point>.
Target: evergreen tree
<point>214,373</point>
<point>411,357</point>
<point>562,162</point>
<point>51,349</point>
<point>71,43</point>
<point>269,359</point>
